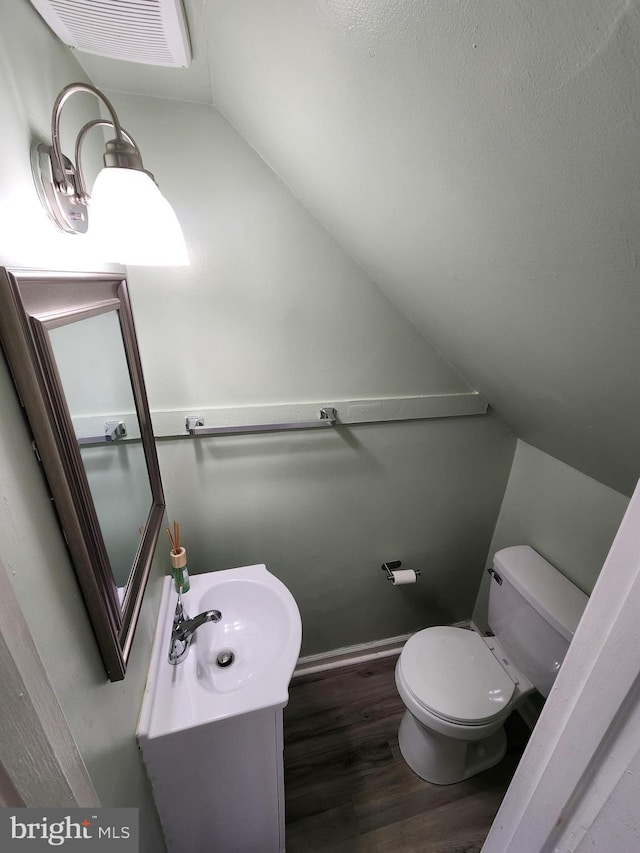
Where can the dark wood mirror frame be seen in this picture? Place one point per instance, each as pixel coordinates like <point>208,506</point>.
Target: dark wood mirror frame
<point>32,303</point>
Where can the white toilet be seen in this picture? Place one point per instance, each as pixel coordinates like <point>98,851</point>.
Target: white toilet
<point>460,687</point>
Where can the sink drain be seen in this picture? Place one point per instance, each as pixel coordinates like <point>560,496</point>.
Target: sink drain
<point>225,658</point>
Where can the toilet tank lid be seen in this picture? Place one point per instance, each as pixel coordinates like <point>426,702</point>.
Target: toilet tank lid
<point>553,595</point>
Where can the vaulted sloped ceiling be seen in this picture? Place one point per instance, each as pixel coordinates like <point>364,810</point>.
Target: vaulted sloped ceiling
<point>481,160</point>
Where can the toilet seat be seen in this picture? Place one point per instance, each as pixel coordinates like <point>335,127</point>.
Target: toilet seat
<point>453,675</point>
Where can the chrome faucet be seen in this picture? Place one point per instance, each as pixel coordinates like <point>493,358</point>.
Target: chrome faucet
<point>184,629</point>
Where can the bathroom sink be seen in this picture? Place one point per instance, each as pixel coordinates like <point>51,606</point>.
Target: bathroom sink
<point>236,666</point>
<point>249,645</point>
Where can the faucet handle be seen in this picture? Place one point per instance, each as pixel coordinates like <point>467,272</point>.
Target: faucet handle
<point>184,629</point>
<point>187,628</point>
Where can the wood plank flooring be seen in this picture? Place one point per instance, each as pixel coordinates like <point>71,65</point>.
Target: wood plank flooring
<point>348,790</point>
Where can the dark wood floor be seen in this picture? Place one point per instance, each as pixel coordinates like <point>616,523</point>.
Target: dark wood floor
<point>348,789</point>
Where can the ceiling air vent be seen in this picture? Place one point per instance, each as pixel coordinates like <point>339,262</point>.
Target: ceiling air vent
<point>153,32</point>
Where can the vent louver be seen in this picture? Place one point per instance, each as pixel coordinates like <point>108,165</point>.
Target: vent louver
<point>153,32</point>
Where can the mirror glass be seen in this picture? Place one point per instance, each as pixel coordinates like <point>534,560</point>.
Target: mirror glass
<point>70,342</point>
<point>93,370</point>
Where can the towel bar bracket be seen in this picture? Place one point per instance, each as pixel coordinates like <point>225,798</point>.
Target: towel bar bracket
<point>113,431</point>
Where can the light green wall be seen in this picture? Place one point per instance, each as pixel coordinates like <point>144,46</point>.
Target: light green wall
<point>325,511</point>
<point>566,516</point>
<point>33,68</point>
<point>273,310</point>
<point>480,159</point>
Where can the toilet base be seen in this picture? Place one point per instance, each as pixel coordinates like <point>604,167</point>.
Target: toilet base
<point>444,760</point>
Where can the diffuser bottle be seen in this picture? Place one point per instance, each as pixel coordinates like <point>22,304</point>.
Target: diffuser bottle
<point>179,570</point>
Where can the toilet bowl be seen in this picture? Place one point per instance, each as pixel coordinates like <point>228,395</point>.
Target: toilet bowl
<point>458,694</point>
<point>459,687</point>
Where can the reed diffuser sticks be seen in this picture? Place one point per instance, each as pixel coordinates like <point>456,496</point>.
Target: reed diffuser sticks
<point>175,539</point>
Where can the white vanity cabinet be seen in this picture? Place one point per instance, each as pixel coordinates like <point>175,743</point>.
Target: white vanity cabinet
<point>220,787</point>
<point>210,728</point>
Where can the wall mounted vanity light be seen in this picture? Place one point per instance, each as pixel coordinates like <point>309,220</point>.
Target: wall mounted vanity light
<point>131,221</point>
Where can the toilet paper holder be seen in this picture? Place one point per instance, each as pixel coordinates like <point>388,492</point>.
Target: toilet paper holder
<point>393,566</point>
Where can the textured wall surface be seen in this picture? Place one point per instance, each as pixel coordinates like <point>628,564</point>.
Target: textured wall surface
<point>271,308</point>
<point>480,161</point>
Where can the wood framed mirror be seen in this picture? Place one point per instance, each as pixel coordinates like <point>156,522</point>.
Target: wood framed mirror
<point>70,343</point>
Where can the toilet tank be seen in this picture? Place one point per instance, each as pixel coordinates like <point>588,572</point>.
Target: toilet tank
<point>534,611</point>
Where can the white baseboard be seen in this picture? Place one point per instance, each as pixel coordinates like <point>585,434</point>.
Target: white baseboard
<point>349,655</point>
<point>360,653</point>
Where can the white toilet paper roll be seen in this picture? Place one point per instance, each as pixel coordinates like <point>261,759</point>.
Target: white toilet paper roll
<point>402,576</point>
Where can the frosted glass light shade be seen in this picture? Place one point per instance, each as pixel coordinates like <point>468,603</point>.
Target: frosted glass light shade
<point>132,222</point>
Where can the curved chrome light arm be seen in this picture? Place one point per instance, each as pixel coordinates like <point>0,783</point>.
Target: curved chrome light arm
<point>98,122</point>
<point>63,97</point>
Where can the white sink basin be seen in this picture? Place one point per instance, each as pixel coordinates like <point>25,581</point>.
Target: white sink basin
<point>260,627</point>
